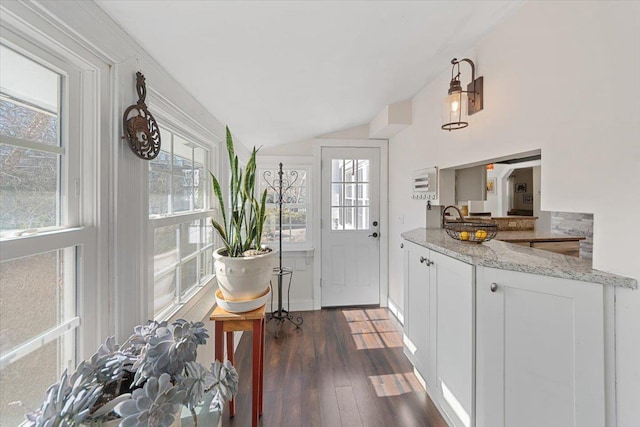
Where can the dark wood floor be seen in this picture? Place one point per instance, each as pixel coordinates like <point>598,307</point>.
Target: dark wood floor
<point>344,367</point>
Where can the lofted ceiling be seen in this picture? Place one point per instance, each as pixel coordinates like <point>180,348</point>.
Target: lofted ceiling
<point>278,72</point>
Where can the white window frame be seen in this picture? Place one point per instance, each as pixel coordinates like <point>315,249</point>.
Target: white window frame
<point>77,233</point>
<point>291,163</point>
<point>178,123</point>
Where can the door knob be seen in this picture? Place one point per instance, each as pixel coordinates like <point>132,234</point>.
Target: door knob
<point>373,235</point>
<point>493,287</point>
<point>375,223</point>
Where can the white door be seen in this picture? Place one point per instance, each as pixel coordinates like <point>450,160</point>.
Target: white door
<point>350,226</point>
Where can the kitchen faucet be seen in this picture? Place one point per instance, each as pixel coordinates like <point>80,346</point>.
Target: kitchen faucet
<point>445,210</point>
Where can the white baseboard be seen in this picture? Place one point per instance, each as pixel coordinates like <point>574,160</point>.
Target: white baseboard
<point>396,311</point>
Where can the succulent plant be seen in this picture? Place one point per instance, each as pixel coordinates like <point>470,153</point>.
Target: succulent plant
<point>154,405</point>
<point>196,381</point>
<point>225,379</point>
<point>68,402</point>
<point>169,348</point>
<point>144,381</point>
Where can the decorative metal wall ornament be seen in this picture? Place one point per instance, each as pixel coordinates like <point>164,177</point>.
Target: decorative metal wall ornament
<point>141,130</point>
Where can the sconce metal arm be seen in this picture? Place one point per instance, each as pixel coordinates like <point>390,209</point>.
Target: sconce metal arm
<point>457,62</point>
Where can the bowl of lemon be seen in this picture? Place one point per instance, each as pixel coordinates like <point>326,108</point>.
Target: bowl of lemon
<point>471,232</point>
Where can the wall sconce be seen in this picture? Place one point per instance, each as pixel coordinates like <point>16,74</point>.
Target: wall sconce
<point>456,106</point>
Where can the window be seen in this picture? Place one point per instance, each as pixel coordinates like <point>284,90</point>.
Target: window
<point>350,194</point>
<point>42,238</point>
<point>180,225</point>
<point>296,222</point>
<point>31,150</point>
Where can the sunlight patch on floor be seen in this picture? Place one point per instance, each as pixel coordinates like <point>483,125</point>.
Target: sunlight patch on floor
<point>372,328</point>
<point>395,384</point>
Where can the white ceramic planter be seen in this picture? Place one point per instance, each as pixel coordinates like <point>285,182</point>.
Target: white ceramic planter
<point>243,278</point>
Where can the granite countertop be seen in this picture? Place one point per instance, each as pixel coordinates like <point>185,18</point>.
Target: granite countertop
<point>535,236</point>
<point>506,256</point>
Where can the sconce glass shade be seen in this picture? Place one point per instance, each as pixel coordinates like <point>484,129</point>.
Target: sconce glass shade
<point>454,111</point>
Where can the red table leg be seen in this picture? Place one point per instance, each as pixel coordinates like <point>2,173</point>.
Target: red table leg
<point>261,380</point>
<point>218,342</point>
<point>255,381</point>
<point>232,402</point>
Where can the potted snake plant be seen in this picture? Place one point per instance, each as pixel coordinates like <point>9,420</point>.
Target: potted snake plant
<point>242,266</point>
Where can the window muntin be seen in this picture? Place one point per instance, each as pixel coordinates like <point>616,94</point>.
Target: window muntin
<point>350,194</point>
<point>295,209</point>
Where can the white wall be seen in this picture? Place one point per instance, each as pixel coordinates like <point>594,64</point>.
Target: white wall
<point>551,75</point>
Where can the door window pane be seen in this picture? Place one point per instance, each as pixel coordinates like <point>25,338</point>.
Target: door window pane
<point>337,221</point>
<point>34,296</point>
<point>337,170</point>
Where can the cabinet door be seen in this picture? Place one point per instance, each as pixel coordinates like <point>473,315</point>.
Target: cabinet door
<point>417,308</point>
<point>540,351</point>
<point>453,328</point>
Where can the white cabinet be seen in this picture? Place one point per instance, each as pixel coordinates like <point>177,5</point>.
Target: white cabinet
<point>417,303</point>
<point>438,327</point>
<point>540,351</point>
<point>452,336</point>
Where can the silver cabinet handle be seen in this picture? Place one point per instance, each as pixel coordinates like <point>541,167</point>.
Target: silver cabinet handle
<point>493,287</point>
<point>427,261</point>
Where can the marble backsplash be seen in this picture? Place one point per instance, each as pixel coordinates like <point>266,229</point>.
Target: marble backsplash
<point>575,224</point>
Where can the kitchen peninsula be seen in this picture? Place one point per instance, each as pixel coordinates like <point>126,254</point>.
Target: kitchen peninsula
<point>498,331</point>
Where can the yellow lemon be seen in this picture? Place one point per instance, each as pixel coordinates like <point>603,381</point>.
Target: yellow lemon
<point>464,235</point>
<point>481,235</point>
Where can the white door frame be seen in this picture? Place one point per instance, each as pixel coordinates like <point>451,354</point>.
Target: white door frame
<point>383,145</point>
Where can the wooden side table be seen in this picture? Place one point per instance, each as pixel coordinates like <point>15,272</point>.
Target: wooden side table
<point>249,321</point>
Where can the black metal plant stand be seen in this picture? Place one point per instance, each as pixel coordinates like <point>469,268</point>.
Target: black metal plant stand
<point>280,186</point>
